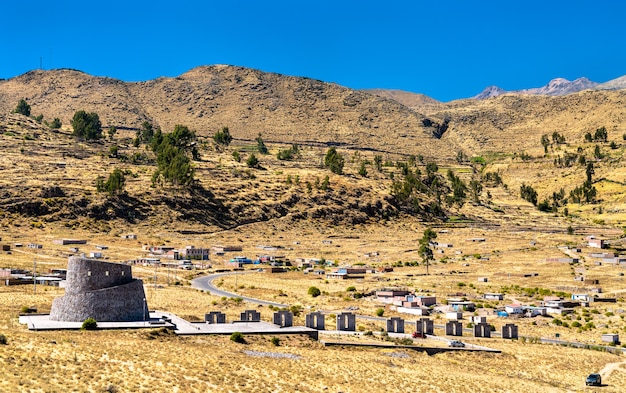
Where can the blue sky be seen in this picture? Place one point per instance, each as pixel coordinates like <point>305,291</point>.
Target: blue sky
<point>445,49</point>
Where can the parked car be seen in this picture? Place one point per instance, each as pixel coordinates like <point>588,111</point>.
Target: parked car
<point>594,380</point>
<point>456,344</point>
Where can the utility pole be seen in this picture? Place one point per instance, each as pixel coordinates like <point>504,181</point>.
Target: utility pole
<point>34,276</point>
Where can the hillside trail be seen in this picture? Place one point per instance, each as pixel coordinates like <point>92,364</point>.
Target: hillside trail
<point>610,367</point>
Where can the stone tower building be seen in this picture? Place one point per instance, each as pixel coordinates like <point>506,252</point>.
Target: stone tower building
<point>100,290</point>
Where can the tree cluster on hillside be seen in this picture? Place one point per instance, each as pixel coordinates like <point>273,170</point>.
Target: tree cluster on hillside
<point>528,193</point>
<point>334,161</point>
<point>600,135</point>
<point>22,108</point>
<point>114,184</point>
<point>87,125</point>
<point>288,154</point>
<point>222,137</point>
<point>172,154</point>
<point>458,190</point>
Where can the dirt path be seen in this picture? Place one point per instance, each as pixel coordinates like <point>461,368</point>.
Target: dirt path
<point>610,367</point>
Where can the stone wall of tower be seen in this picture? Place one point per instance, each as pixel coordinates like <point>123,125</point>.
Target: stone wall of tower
<point>101,290</point>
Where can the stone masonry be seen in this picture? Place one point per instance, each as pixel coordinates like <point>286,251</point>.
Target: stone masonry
<point>100,290</point>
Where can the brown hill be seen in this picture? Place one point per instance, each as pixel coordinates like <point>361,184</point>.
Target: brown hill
<point>514,123</point>
<point>283,108</point>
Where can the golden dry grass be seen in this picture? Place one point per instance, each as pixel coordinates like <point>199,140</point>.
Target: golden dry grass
<point>134,361</point>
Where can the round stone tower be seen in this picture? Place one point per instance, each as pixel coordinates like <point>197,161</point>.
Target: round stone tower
<point>100,290</point>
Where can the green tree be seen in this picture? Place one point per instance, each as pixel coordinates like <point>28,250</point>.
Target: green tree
<point>55,124</point>
<point>325,183</point>
<point>87,125</point>
<point>172,151</point>
<point>458,188</point>
<point>363,170</point>
<point>600,135</point>
<point>431,170</point>
<point>113,151</point>
<point>146,133</point>
<point>461,157</point>
<point>589,171</point>
<point>477,188</point>
<point>114,184</point>
<point>237,156</point>
<point>597,153</point>
<point>112,131</point>
<point>545,142</point>
<point>252,161</point>
<point>380,312</point>
<point>223,137</point>
<point>378,162</point>
<point>314,291</point>
<point>334,161</point>
<point>260,145</point>
<point>528,193</point>
<point>425,251</point>
<point>22,108</point>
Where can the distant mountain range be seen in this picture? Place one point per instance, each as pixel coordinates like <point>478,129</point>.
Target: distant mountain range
<point>557,87</point>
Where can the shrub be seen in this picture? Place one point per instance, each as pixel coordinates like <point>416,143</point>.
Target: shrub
<point>22,108</point>
<point>314,291</point>
<point>380,312</point>
<point>275,341</point>
<point>351,288</point>
<point>237,337</point>
<point>3,339</point>
<point>252,161</point>
<point>89,324</point>
<point>223,137</point>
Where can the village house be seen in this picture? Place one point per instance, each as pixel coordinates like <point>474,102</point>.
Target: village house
<point>493,296</point>
<point>581,297</point>
<point>514,309</point>
<point>461,305</point>
<point>594,242</point>
<point>344,273</point>
<point>388,295</point>
<point>191,252</point>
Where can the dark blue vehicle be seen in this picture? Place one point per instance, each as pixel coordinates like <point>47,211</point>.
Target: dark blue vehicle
<point>594,380</point>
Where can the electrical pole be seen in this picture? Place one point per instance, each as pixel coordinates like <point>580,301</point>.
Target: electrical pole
<point>34,276</point>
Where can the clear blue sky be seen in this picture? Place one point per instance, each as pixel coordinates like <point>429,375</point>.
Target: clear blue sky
<point>442,48</point>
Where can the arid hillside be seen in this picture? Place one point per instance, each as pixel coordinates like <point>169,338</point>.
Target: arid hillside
<point>515,123</point>
<point>249,102</point>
